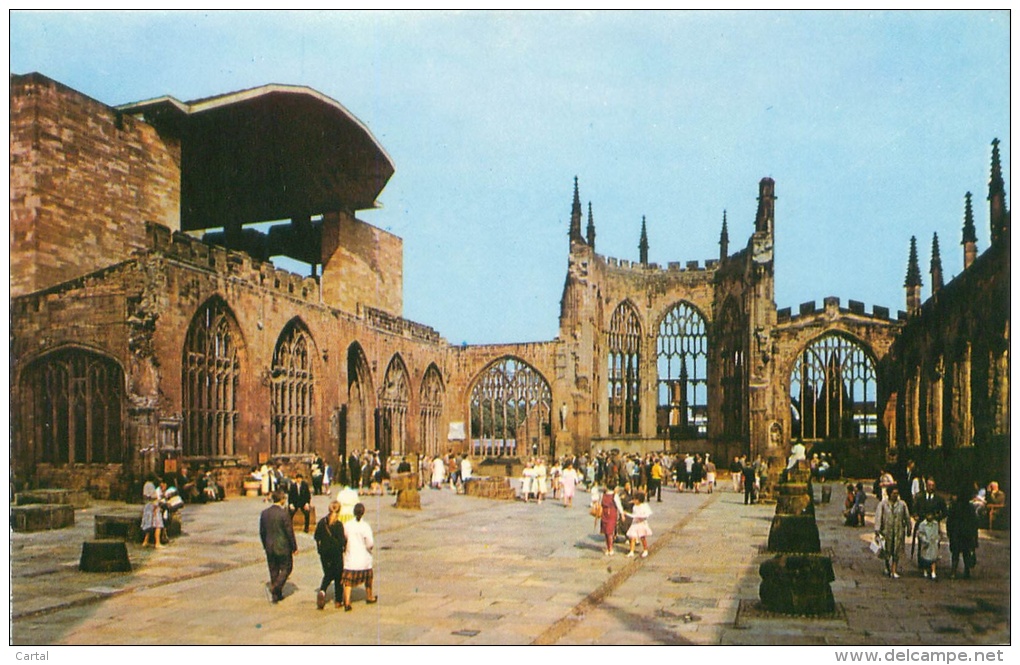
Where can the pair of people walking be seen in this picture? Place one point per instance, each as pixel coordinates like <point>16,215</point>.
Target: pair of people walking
<point>345,551</point>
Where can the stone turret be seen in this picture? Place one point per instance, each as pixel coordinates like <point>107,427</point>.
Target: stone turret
<point>969,241</point>
<point>998,213</point>
<point>913,280</point>
<point>643,245</point>
<point>936,265</point>
<point>764,220</point>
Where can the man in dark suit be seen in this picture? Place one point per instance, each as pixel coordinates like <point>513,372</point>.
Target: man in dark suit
<point>300,498</point>
<point>354,471</point>
<point>276,529</point>
<point>927,501</point>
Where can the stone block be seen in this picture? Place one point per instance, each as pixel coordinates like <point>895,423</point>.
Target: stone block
<point>798,504</point>
<point>121,525</point>
<point>104,556</point>
<point>74,498</point>
<point>41,517</point>
<point>490,488</point>
<point>794,533</point>
<point>406,487</point>
<point>797,584</point>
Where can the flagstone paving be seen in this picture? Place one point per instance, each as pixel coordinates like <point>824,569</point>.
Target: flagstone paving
<point>464,570</point>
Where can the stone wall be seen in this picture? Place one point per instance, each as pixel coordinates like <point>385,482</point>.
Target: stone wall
<point>84,179</point>
<point>361,266</point>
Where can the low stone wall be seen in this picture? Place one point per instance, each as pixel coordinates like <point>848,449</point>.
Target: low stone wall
<point>41,517</point>
<point>100,481</point>
<point>74,498</point>
<point>490,488</point>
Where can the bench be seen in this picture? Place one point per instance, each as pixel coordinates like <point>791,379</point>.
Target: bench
<point>993,509</point>
<point>127,526</point>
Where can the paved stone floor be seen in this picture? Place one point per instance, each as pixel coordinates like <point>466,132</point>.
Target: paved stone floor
<point>471,571</point>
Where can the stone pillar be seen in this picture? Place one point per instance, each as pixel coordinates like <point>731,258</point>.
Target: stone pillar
<point>796,580</point>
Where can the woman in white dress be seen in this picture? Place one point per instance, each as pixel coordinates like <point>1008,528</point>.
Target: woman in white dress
<point>541,480</point>
<point>438,472</point>
<point>528,481</point>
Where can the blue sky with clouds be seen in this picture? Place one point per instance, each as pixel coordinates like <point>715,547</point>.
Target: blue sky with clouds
<point>873,124</point>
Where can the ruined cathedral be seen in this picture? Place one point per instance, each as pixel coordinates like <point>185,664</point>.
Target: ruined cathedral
<point>150,329</point>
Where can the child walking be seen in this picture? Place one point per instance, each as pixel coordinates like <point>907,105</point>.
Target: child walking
<point>928,544</point>
<point>639,527</point>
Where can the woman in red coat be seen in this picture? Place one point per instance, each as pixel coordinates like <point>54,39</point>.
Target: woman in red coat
<point>611,511</point>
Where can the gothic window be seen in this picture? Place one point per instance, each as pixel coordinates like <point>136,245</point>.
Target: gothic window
<point>431,411</point>
<point>211,372</point>
<point>292,382</point>
<point>682,360</point>
<point>832,391</point>
<point>624,376</point>
<point>359,389</point>
<point>391,434</point>
<point>511,407</point>
<point>75,398</point>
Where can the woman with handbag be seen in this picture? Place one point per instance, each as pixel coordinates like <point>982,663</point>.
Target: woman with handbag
<point>892,523</point>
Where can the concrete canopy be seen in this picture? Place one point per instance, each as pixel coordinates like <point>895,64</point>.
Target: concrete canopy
<point>268,153</point>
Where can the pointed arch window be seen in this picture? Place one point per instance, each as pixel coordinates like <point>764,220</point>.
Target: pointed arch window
<point>682,363</point>
<point>624,375</point>
<point>511,404</point>
<point>431,411</point>
<point>832,391</point>
<point>75,399</point>
<point>292,383</point>
<point>211,370</point>
<point>391,434</point>
<point>359,390</point>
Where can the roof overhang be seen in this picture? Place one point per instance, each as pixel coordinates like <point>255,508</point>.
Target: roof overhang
<point>268,153</point>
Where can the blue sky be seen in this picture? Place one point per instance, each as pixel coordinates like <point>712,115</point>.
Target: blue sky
<point>873,124</point>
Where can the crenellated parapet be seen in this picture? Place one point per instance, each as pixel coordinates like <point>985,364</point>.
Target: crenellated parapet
<point>809,311</point>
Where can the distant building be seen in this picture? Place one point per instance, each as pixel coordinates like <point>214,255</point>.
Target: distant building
<point>150,330</point>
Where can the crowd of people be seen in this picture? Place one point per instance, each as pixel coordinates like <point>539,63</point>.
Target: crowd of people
<point>912,508</point>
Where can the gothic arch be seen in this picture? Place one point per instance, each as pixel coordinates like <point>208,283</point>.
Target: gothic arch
<point>510,410</point>
<point>73,401</point>
<point>359,401</point>
<point>682,367</point>
<point>624,369</point>
<point>293,390</point>
<point>211,371</point>
<point>392,415</point>
<point>834,389</point>
<point>431,401</point>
